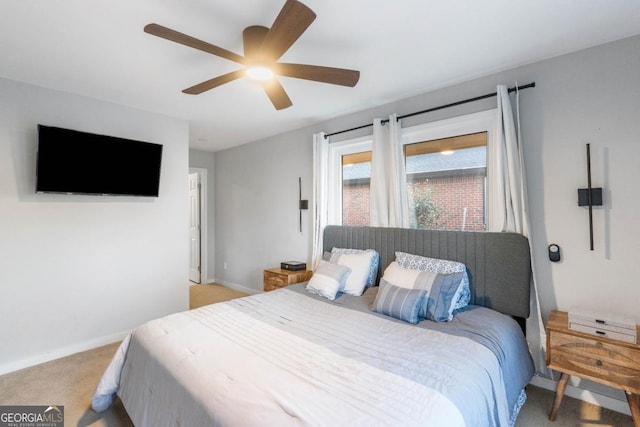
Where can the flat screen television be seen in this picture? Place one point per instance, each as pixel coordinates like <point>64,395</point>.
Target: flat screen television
<point>74,162</point>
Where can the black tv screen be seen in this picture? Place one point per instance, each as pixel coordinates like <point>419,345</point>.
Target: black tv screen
<point>74,162</point>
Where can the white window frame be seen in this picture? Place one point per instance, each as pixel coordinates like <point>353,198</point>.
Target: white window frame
<point>483,121</point>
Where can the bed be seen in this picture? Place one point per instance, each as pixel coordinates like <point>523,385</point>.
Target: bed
<point>292,357</point>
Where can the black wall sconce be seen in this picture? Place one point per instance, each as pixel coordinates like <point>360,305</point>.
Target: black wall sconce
<point>302,204</point>
<point>590,196</point>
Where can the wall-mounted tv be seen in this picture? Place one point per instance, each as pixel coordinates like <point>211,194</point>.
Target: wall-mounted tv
<point>74,162</point>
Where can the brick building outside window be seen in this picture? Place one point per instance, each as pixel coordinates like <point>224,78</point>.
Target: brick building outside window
<point>446,190</point>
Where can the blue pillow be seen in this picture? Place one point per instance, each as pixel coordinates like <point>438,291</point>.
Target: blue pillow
<point>436,265</point>
<point>399,303</point>
<point>434,301</point>
<point>442,297</point>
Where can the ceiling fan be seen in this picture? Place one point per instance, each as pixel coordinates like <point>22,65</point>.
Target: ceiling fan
<point>263,47</point>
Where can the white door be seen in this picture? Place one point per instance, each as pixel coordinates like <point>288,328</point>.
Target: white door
<point>194,227</point>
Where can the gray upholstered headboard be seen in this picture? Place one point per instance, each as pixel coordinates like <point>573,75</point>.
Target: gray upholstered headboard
<point>498,264</point>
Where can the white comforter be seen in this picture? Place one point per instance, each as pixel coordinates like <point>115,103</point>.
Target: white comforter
<point>282,358</point>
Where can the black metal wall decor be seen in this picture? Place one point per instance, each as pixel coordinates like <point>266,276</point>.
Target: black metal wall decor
<point>302,204</point>
<point>590,196</point>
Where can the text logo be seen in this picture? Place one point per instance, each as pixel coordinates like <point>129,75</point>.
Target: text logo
<point>31,416</point>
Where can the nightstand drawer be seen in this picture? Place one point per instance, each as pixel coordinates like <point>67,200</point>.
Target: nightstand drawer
<point>598,359</point>
<point>277,278</point>
<point>597,349</point>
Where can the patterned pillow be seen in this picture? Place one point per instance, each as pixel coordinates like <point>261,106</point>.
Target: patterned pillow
<point>436,265</point>
<point>360,265</point>
<point>373,268</point>
<point>328,279</point>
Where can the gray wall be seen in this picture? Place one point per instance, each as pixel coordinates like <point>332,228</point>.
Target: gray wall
<point>77,271</point>
<point>257,216</point>
<point>591,96</point>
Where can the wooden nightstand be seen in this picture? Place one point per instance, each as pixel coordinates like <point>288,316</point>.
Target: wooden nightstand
<point>276,278</point>
<point>603,360</point>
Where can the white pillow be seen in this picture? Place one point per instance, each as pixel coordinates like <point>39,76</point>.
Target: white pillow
<point>401,277</point>
<point>360,265</point>
<point>375,261</point>
<point>328,279</point>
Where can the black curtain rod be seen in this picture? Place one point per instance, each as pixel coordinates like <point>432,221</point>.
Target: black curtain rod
<point>441,107</point>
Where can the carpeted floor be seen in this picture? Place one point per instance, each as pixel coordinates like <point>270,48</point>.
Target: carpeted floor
<point>200,295</point>
<point>70,382</point>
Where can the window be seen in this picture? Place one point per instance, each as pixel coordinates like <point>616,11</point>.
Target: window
<point>356,177</point>
<point>446,182</point>
<point>446,174</point>
<point>349,178</point>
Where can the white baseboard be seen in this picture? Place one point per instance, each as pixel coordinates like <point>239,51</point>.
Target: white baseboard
<point>61,352</point>
<point>237,287</point>
<point>584,395</point>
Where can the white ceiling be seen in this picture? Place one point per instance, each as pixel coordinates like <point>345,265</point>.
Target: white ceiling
<point>97,48</point>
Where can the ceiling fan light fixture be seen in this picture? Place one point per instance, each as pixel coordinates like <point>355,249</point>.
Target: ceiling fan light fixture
<point>260,73</point>
<point>263,48</point>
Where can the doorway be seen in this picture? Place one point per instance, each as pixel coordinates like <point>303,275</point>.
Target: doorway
<point>197,225</point>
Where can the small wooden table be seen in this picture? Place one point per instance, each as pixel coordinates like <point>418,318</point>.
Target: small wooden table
<point>276,278</point>
<point>603,360</point>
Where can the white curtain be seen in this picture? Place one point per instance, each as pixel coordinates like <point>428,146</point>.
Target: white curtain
<point>320,194</point>
<point>388,202</point>
<point>510,210</point>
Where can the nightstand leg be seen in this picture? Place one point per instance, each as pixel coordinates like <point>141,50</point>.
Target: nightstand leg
<point>562,385</point>
<point>634,405</point>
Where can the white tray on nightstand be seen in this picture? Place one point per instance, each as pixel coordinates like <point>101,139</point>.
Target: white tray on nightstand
<point>603,325</point>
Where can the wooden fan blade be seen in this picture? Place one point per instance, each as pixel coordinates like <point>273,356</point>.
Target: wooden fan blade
<point>336,76</point>
<point>215,82</point>
<point>291,22</point>
<point>276,94</point>
<point>252,38</point>
<point>175,36</point>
